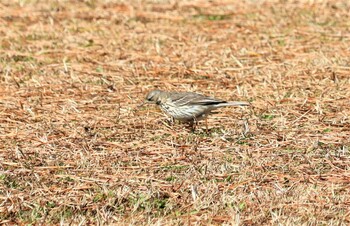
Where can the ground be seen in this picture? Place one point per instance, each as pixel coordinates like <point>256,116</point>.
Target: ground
<point>75,149</point>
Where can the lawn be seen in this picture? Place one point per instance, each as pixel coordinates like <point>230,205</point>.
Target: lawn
<point>75,149</point>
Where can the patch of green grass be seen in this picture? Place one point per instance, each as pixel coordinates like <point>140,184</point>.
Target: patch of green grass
<point>210,133</point>
<point>20,58</point>
<point>327,130</point>
<point>89,43</point>
<point>241,206</point>
<point>91,3</point>
<point>51,204</point>
<point>242,142</point>
<point>211,17</point>
<point>62,213</point>
<point>67,213</point>
<point>288,94</point>
<point>143,202</point>
<point>170,178</point>
<point>160,203</point>
<point>268,117</point>
<point>228,158</point>
<point>9,182</point>
<point>293,150</point>
<point>174,167</point>
<point>228,178</point>
<point>281,42</point>
<point>194,212</point>
<point>33,215</point>
<point>99,197</point>
<point>99,69</point>
<point>66,179</point>
<point>161,137</point>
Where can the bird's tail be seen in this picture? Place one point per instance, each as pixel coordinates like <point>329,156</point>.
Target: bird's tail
<point>234,103</point>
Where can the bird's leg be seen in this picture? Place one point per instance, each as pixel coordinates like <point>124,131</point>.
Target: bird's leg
<point>170,121</point>
<point>193,125</point>
<point>206,125</point>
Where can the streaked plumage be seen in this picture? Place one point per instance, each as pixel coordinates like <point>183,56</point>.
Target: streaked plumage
<point>188,106</point>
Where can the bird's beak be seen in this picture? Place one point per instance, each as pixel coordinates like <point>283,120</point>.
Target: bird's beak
<point>139,106</point>
<point>142,104</point>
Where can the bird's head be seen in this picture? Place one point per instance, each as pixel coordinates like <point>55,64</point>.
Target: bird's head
<point>154,96</point>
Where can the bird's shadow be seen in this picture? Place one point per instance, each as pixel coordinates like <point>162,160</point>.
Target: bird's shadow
<point>197,129</point>
<point>202,131</point>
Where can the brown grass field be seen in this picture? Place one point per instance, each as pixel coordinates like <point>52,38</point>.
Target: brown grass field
<point>75,149</point>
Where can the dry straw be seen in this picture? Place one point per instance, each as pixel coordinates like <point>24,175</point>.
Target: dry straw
<point>73,151</point>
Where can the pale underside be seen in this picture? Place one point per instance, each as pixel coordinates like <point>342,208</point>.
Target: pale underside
<point>186,113</point>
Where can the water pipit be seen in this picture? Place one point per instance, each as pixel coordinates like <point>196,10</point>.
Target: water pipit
<point>187,106</point>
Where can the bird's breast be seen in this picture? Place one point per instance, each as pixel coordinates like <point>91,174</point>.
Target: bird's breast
<point>184,112</point>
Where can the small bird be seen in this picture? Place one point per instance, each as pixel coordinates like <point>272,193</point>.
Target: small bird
<point>187,106</point>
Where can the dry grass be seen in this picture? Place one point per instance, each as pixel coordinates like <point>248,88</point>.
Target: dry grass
<point>73,150</point>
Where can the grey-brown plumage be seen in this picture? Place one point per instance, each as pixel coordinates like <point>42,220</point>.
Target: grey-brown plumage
<point>188,106</point>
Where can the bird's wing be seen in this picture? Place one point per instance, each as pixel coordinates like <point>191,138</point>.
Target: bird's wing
<point>188,98</point>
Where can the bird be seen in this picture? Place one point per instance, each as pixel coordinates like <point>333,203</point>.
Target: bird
<point>188,107</point>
